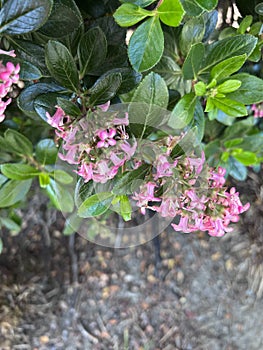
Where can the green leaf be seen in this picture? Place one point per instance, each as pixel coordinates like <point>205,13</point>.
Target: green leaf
<point>129,181</point>
<point>95,205</point>
<point>227,67</point>
<point>27,70</point>
<point>148,104</point>
<point>45,103</point>
<point>200,88</point>
<point>72,224</point>
<point>18,142</point>
<point>250,91</point>
<point>229,86</point>
<point>20,17</point>
<point>230,107</point>
<point>83,190</point>
<point>146,45</point>
<point>207,4</point>
<point>193,32</point>
<point>237,170</point>
<point>105,88</point>
<point>227,48</point>
<point>259,9</point>
<point>191,7</point>
<point>61,65</point>
<point>13,191</point>
<point>19,171</point>
<point>245,24</point>
<point>183,112</point>
<point>171,12</point>
<point>60,196</point>
<point>3,179</point>
<point>44,180</point>
<point>193,61</point>
<point>62,176</point>
<point>63,16</point>
<point>142,3</point>
<point>125,208</point>
<point>11,225</point>
<point>199,120</point>
<point>1,246</point>
<point>92,50</point>
<point>129,79</point>
<point>27,96</point>
<point>246,158</point>
<point>129,14</point>
<point>233,142</point>
<point>69,107</point>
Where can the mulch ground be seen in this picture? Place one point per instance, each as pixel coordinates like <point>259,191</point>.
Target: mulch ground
<point>67,293</point>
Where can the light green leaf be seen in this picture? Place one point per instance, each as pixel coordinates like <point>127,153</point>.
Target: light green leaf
<point>92,50</point>
<point>129,14</point>
<point>125,208</point>
<point>61,65</point>
<point>44,180</point>
<point>46,151</point>
<point>207,4</point>
<point>230,107</point>
<point>245,24</point>
<point>62,176</point>
<point>246,158</point>
<point>19,171</point>
<point>183,112</point>
<point>227,67</point>
<point>18,143</point>
<point>146,45</point>
<point>200,88</point>
<point>229,86</point>
<point>95,205</point>
<point>60,196</point>
<point>171,12</point>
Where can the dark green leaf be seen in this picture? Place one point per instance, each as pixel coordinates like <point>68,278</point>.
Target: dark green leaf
<point>129,14</point>
<point>199,120</point>
<point>18,142</point>
<point>227,67</point>
<point>191,7</point>
<point>250,91</point>
<point>171,12</point>
<point>115,35</point>
<point>142,3</point>
<point>69,107</point>
<point>227,48</point>
<point>130,79</point>
<point>105,88</point>
<point>193,32</point>
<point>45,103</point>
<point>230,107</point>
<point>19,171</point>
<point>61,65</point>
<point>193,61</point>
<point>259,9</point>
<point>183,112</point>
<point>125,184</point>
<point>28,95</point>
<point>60,196</point>
<point>210,19</point>
<point>63,17</point>
<point>95,205</point>
<point>20,17</point>
<point>146,45</point>
<point>238,129</point>
<point>149,102</point>
<point>13,191</point>
<point>92,50</point>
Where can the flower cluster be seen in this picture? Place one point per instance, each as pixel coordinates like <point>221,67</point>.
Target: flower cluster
<point>97,146</point>
<point>193,192</point>
<point>258,110</point>
<point>8,76</point>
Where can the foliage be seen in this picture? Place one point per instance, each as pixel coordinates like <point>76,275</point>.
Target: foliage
<point>180,87</point>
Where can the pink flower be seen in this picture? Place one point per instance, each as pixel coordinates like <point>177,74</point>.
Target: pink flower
<point>85,170</point>
<point>58,119</point>
<point>196,163</point>
<point>163,167</point>
<point>106,138</point>
<point>196,202</point>
<point>218,177</point>
<point>9,53</point>
<point>105,106</point>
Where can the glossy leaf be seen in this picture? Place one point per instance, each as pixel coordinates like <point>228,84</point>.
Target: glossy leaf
<point>129,14</point>
<point>61,65</point>
<point>95,205</point>
<point>125,208</point>
<point>191,7</point>
<point>92,50</point>
<point>171,12</point>
<point>246,157</point>
<point>245,24</point>
<point>13,191</point>
<point>105,88</point>
<point>193,61</point>
<point>227,67</point>
<point>237,170</point>
<point>250,91</point>
<point>69,107</point>
<point>18,171</point>
<point>142,3</point>
<point>207,4</point>
<point>60,196</point>
<point>20,17</point>
<point>127,183</point>
<point>45,103</point>
<point>149,100</point>
<point>229,86</point>
<point>129,79</point>
<point>193,32</point>
<point>230,107</point>
<point>146,45</point>
<point>227,48</point>
<point>183,112</point>
<point>44,180</point>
